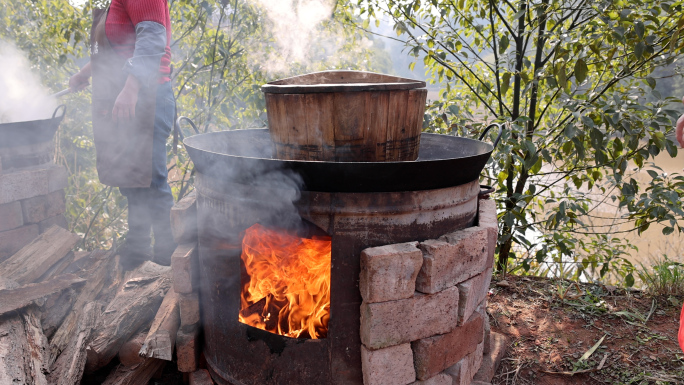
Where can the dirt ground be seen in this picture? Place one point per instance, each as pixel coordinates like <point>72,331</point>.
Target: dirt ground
<point>553,325</point>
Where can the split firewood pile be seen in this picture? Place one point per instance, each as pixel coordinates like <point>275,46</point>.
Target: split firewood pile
<point>63,313</point>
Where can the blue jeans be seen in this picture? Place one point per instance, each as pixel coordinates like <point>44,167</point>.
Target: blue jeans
<point>149,208</point>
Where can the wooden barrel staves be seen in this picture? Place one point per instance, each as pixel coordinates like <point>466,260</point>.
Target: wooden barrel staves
<point>345,116</point>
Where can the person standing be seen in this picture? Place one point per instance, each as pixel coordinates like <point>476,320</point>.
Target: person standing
<point>133,108</point>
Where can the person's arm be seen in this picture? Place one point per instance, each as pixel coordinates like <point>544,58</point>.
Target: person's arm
<point>80,80</point>
<point>150,46</point>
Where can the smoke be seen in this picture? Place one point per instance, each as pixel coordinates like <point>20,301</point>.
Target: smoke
<point>296,27</point>
<point>22,96</point>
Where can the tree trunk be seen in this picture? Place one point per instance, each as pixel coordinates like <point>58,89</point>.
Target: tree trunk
<point>137,375</point>
<point>23,349</point>
<point>14,299</point>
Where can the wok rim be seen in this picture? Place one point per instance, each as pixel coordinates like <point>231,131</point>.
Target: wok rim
<point>479,142</point>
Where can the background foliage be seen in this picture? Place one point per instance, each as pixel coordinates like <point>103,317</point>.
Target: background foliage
<point>573,83</point>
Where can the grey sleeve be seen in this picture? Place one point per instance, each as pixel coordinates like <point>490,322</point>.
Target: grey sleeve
<point>150,46</point>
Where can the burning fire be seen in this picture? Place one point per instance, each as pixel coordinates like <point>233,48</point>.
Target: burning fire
<point>287,290</point>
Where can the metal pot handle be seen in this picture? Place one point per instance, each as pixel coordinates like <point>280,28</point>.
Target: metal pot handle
<point>487,130</point>
<point>63,107</point>
<point>182,118</point>
<point>485,190</point>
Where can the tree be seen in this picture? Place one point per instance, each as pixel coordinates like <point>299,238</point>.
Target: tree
<point>570,79</point>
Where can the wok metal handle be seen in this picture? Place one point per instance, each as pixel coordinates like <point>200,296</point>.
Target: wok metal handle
<point>487,130</point>
<point>63,107</point>
<point>485,190</point>
<point>185,118</point>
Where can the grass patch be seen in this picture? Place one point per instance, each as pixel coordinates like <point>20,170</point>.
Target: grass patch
<point>663,277</point>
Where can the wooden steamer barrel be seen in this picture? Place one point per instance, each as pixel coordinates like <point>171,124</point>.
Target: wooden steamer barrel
<point>345,116</point>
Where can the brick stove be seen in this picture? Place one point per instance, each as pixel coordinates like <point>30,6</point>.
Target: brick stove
<point>31,185</point>
<point>410,244</point>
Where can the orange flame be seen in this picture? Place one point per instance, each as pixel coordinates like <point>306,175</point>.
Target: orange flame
<point>288,288</point>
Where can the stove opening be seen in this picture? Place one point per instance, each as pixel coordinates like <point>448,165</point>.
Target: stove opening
<point>286,281</point>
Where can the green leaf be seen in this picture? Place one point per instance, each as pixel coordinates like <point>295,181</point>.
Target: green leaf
<point>503,43</point>
<point>581,70</point>
<point>505,82</point>
<point>668,230</point>
<point>639,29</point>
<point>629,280</point>
<point>651,82</point>
<point>639,49</point>
<point>518,15</point>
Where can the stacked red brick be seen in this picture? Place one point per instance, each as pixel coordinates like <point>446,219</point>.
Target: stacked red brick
<point>423,318</point>
<point>31,195</point>
<point>184,265</point>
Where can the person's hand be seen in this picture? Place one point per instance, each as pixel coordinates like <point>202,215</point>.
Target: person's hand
<point>78,81</point>
<point>124,106</point>
<point>679,131</point>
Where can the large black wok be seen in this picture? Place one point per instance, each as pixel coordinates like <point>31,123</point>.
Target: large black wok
<point>30,132</point>
<point>244,155</point>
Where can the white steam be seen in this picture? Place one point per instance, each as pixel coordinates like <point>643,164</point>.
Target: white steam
<point>295,26</point>
<point>22,96</point>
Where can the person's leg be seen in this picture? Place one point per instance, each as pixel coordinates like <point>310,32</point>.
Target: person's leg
<point>159,199</point>
<point>137,248</point>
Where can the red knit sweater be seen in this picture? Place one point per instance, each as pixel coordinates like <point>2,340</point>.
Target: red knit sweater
<point>124,15</point>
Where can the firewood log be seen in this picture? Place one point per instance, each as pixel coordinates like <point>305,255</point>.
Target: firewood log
<point>128,354</point>
<point>55,309</point>
<point>88,293</point>
<point>134,305</point>
<point>14,299</point>
<point>57,268</point>
<point>68,369</point>
<point>23,349</point>
<point>36,258</point>
<point>136,375</point>
<point>58,305</point>
<point>162,336</point>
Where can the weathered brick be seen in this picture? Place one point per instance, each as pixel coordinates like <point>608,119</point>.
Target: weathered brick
<point>471,293</point>
<point>389,366</point>
<point>452,259</point>
<point>42,207</point>
<point>440,379</point>
<point>184,268</point>
<point>58,178</point>
<point>482,309</point>
<point>434,354</point>
<point>58,220</point>
<point>31,182</point>
<point>463,372</point>
<point>187,349</point>
<point>189,310</point>
<point>184,219</point>
<point>492,360</point>
<point>201,377</point>
<point>11,216</point>
<point>391,323</point>
<point>389,272</point>
<point>487,219</point>
<point>13,240</point>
